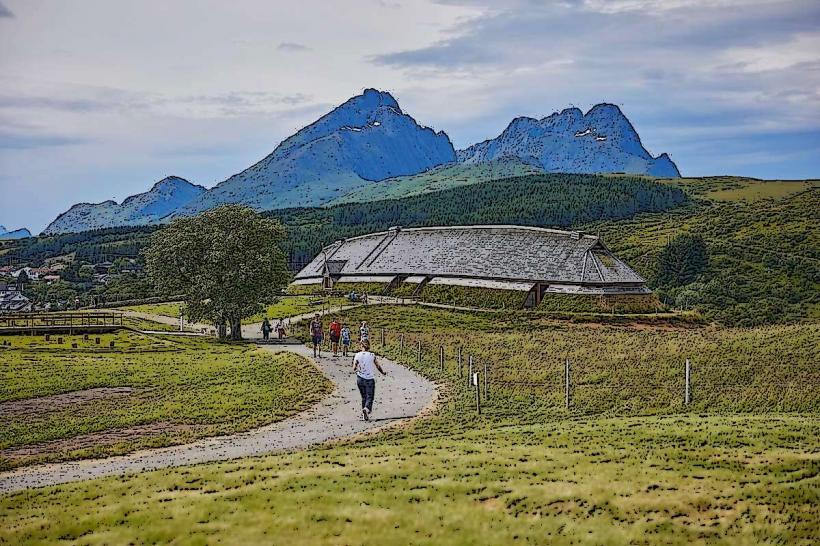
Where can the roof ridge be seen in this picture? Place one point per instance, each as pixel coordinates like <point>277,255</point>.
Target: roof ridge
<point>538,229</point>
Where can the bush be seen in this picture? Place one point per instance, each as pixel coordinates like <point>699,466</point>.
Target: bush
<point>584,303</point>
<point>404,290</point>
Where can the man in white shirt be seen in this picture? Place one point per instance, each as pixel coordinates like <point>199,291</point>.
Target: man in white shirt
<point>365,365</point>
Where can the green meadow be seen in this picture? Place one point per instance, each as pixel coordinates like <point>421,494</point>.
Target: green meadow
<point>147,391</point>
<point>627,463</point>
<point>288,306</point>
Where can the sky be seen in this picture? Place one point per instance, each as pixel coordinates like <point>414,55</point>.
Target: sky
<point>99,99</point>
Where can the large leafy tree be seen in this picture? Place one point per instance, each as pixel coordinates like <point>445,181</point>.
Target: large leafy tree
<point>227,262</point>
<point>682,260</point>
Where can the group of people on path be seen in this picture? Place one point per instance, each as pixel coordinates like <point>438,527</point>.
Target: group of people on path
<point>365,362</point>
<point>279,328</point>
<point>339,334</point>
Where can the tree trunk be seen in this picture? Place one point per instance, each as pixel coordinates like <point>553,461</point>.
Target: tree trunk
<point>221,330</point>
<point>236,329</point>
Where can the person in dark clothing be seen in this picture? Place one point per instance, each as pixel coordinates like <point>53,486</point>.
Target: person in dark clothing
<point>266,329</point>
<point>316,335</point>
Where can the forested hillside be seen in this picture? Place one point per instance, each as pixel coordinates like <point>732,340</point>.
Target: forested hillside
<point>548,200</point>
<point>92,246</point>
<point>759,262</point>
<point>762,242</point>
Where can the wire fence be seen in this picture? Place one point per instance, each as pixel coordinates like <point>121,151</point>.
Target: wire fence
<point>684,385</point>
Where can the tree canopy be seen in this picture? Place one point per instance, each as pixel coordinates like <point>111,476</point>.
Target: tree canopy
<point>227,262</point>
<point>682,260</point>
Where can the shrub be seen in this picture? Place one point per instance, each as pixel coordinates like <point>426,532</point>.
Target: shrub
<point>583,303</point>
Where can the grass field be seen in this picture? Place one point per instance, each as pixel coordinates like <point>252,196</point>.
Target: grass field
<point>168,309</point>
<point>292,306</point>
<point>675,480</point>
<point>289,306</point>
<point>618,368</point>
<point>147,391</point>
<point>740,466</point>
<point>750,190</point>
<point>150,325</point>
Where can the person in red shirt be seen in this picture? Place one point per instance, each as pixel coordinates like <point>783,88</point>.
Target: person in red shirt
<point>335,334</point>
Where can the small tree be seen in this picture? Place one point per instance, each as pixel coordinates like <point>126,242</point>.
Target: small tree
<point>227,262</point>
<point>86,272</point>
<point>22,280</point>
<point>682,260</point>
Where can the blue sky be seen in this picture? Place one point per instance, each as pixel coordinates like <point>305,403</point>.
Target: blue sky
<point>100,99</point>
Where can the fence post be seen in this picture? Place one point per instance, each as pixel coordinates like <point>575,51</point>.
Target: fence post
<point>486,392</point>
<point>566,384</point>
<point>441,357</point>
<point>476,381</point>
<point>470,369</point>
<point>687,393</point>
<point>459,361</point>
<point>418,351</point>
<point>382,334</point>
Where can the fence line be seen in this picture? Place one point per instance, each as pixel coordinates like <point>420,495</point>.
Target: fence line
<point>481,376</point>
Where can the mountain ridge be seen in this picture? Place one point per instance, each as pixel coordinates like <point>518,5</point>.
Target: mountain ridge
<point>601,141</point>
<point>358,149</point>
<point>367,138</point>
<point>164,197</point>
<point>20,233</point>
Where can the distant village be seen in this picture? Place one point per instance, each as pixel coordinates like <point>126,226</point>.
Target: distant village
<point>62,286</point>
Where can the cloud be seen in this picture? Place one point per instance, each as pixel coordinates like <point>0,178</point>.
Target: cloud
<point>292,47</point>
<point>101,100</point>
<point>5,12</point>
<point>23,141</point>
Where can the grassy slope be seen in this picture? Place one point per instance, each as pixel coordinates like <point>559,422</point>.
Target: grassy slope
<point>167,309</point>
<point>204,387</point>
<point>525,471</point>
<point>763,240</point>
<point>437,179</point>
<point>615,481</point>
<point>290,306</point>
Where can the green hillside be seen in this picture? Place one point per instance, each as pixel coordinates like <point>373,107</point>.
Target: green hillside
<point>763,242</point>
<point>627,463</point>
<point>761,237</point>
<point>551,200</point>
<point>440,178</point>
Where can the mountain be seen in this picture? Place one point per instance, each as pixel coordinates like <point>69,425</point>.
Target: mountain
<point>21,233</point>
<point>165,197</point>
<point>600,141</point>
<point>443,177</point>
<point>368,138</point>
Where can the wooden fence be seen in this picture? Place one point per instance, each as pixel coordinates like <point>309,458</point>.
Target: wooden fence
<point>70,322</point>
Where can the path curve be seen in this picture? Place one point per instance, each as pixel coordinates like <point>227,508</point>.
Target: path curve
<point>401,395</point>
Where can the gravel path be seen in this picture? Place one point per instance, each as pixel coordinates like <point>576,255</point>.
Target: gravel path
<point>401,395</point>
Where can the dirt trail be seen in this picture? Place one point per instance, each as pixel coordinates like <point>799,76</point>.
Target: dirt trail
<point>400,396</point>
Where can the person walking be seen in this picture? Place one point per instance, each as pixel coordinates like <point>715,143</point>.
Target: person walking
<point>280,329</point>
<point>335,333</point>
<point>266,329</point>
<point>317,335</point>
<point>345,335</point>
<point>364,332</point>
<point>365,365</point>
